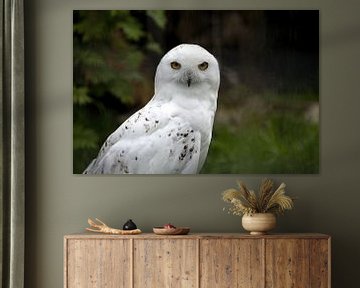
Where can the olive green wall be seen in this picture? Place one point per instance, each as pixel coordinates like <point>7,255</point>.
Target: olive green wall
<point>59,202</point>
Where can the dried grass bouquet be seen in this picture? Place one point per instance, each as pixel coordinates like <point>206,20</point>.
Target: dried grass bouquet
<point>246,202</point>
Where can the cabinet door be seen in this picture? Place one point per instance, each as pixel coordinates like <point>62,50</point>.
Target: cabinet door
<point>98,263</point>
<point>287,263</point>
<point>297,263</point>
<point>320,263</point>
<point>231,263</point>
<point>165,263</point>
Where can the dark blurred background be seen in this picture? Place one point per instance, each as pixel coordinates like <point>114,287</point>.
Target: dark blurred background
<point>268,108</point>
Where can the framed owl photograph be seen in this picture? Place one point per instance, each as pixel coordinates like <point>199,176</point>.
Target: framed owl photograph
<point>196,92</point>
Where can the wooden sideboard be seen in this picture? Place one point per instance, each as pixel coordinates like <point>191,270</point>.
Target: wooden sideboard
<point>197,260</point>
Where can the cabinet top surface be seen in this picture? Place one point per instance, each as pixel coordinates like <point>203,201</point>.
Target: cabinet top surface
<point>87,235</point>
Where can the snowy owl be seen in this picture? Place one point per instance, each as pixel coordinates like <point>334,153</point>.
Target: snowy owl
<point>172,133</point>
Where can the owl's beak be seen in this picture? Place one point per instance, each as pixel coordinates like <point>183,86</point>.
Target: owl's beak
<point>188,81</point>
<point>189,77</point>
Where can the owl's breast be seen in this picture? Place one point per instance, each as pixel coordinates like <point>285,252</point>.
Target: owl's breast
<point>199,117</point>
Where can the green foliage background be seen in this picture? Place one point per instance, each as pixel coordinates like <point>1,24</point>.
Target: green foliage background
<point>267,130</point>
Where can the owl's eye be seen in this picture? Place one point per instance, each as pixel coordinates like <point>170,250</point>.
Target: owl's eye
<point>203,66</point>
<point>175,65</point>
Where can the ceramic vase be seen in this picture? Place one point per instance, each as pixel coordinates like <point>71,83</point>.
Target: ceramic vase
<point>259,223</point>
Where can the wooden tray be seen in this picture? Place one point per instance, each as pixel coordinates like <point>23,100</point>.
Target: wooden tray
<point>171,231</point>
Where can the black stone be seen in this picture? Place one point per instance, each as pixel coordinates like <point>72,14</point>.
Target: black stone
<point>129,225</point>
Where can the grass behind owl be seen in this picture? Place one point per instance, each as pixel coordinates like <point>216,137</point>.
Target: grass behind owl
<point>268,142</point>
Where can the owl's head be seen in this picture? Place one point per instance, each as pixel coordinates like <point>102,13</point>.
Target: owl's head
<point>188,66</point>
